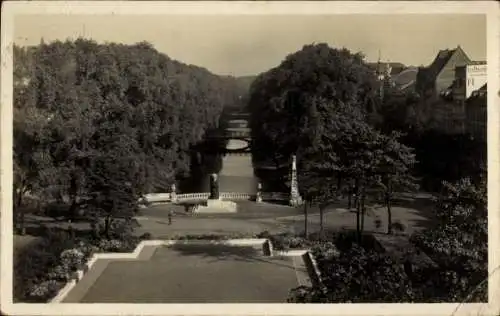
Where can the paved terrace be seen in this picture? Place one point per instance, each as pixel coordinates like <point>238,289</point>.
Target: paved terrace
<point>190,273</point>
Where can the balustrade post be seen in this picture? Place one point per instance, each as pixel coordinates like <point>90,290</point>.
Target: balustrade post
<point>258,198</point>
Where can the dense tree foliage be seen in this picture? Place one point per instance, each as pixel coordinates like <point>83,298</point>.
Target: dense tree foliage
<point>320,104</point>
<point>280,98</point>
<point>458,245</point>
<point>108,119</point>
<point>459,241</point>
<point>433,127</point>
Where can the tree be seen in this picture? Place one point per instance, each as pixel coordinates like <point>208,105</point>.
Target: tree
<point>337,144</point>
<point>459,242</point>
<point>394,163</point>
<point>67,94</point>
<point>280,99</point>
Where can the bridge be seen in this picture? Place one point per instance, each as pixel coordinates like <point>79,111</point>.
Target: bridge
<point>237,134</point>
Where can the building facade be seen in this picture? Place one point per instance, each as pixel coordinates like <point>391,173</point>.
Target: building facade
<point>439,76</point>
<point>469,78</point>
<point>476,113</point>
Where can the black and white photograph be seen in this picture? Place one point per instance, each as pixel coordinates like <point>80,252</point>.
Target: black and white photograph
<point>286,153</point>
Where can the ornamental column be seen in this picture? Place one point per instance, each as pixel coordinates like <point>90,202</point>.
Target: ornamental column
<point>295,198</point>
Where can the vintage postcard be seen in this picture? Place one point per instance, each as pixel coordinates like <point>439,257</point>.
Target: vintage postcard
<point>250,158</point>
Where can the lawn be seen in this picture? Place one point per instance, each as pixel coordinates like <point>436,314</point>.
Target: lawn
<point>196,274</point>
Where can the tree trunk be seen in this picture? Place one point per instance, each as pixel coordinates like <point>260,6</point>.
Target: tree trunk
<point>363,209</point>
<point>19,197</point>
<point>358,211</point>
<point>388,195</point>
<point>305,219</point>
<point>389,214</point>
<point>72,209</point>
<point>107,225</point>
<point>321,219</point>
<point>358,223</point>
<point>19,211</point>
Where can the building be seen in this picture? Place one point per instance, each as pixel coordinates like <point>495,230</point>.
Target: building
<point>438,77</point>
<point>469,78</point>
<point>405,81</point>
<point>476,113</point>
<point>387,74</point>
<point>388,69</point>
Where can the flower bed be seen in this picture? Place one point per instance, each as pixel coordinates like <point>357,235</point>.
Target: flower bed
<point>42,269</point>
<point>341,239</point>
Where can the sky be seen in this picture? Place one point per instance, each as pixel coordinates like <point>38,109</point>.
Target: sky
<point>243,45</point>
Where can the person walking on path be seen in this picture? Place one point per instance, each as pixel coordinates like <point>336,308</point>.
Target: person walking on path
<point>170,215</point>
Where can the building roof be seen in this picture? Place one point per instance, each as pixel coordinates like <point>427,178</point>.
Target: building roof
<point>439,62</point>
<point>428,75</point>
<point>381,67</point>
<point>406,78</point>
<point>478,62</point>
<point>481,92</point>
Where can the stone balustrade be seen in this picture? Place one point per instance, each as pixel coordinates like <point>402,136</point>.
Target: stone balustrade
<point>155,198</point>
<point>193,196</point>
<point>236,196</point>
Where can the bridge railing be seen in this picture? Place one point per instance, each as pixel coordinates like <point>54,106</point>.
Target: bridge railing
<point>193,196</point>
<point>236,196</point>
<point>236,153</point>
<point>154,198</point>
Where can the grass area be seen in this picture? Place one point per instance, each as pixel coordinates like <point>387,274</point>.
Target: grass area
<point>246,209</point>
<point>196,274</point>
<point>21,242</point>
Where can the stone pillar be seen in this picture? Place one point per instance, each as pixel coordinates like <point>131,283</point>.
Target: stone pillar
<point>173,193</point>
<point>258,199</point>
<point>295,198</point>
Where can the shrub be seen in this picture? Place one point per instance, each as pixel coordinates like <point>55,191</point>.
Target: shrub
<point>44,291</point>
<point>285,241</point>
<point>361,276</point>
<point>215,236</point>
<point>458,243</point>
<point>325,251</point>
<point>398,226</point>
<point>305,294</point>
<point>113,245</point>
<point>72,258</point>
<point>61,273</point>
<point>146,236</point>
<point>41,268</point>
<point>33,263</point>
